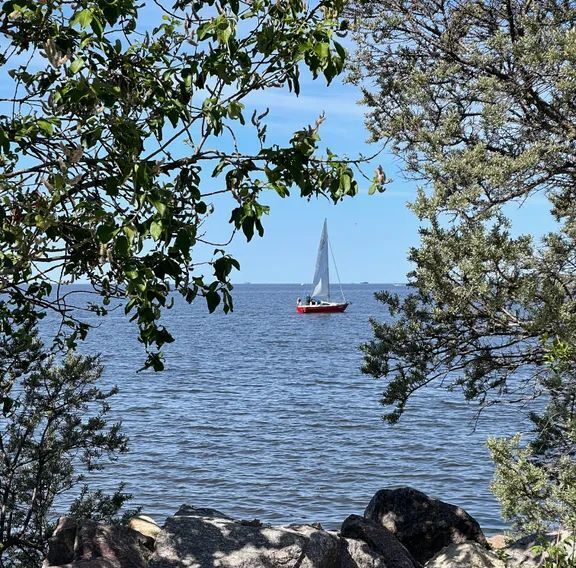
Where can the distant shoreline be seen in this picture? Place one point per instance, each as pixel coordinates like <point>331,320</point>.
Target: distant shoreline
<point>397,284</point>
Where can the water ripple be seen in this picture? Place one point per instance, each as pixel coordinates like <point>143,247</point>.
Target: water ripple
<point>264,413</point>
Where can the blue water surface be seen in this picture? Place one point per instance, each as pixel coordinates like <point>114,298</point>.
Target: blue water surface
<point>264,413</point>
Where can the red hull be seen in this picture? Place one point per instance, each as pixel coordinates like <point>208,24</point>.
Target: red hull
<point>321,308</point>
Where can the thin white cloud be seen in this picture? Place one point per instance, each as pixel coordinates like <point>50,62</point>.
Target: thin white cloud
<point>338,103</point>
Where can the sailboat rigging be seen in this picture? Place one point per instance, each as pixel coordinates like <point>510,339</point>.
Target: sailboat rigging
<point>319,300</point>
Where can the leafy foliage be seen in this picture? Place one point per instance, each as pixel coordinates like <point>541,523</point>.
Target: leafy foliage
<point>477,99</point>
<point>55,426</point>
<point>536,481</point>
<point>560,554</point>
<point>116,140</point>
<point>534,494</point>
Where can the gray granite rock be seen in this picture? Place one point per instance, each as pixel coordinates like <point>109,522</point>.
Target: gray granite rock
<point>205,538</point>
<point>422,524</point>
<point>520,552</point>
<point>465,555</point>
<point>358,554</point>
<point>380,540</point>
<point>87,544</point>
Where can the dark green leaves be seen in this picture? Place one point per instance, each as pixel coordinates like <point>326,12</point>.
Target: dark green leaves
<point>212,299</point>
<point>248,217</point>
<point>105,232</point>
<point>223,266</point>
<point>122,246</point>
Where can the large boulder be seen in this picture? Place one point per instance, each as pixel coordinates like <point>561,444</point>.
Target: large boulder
<point>358,554</point>
<point>380,540</point>
<point>422,524</point>
<point>88,544</point>
<point>205,538</point>
<point>466,555</point>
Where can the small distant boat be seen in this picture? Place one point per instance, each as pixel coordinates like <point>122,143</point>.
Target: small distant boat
<point>319,300</point>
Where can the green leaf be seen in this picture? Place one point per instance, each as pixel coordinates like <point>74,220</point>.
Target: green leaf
<point>154,360</point>
<point>7,404</point>
<point>340,50</point>
<point>204,29</point>
<point>223,34</point>
<point>184,241</point>
<point>345,182</point>
<point>156,230</point>
<point>235,110</point>
<point>97,26</point>
<point>105,232</point>
<point>46,127</point>
<point>122,245</point>
<point>212,299</point>
<point>4,142</point>
<point>160,206</point>
<point>248,227</point>
<point>322,50</point>
<point>234,6</point>
<point>83,18</point>
<point>76,65</point>
<point>223,267</point>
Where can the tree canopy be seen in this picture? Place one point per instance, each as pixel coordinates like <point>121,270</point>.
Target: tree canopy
<point>115,138</point>
<point>477,97</point>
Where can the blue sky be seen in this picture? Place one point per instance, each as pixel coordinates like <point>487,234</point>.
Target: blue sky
<point>370,235</point>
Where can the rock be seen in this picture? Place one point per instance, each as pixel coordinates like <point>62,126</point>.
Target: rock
<point>146,526</point>
<point>95,563</point>
<point>422,524</point>
<point>205,538</point>
<point>61,543</point>
<point>87,544</point>
<point>465,555</point>
<point>497,541</point>
<point>521,553</point>
<point>380,540</point>
<point>358,554</point>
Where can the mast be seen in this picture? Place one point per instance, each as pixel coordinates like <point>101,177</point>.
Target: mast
<point>337,273</point>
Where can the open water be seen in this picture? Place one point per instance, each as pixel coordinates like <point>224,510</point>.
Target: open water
<point>264,413</point>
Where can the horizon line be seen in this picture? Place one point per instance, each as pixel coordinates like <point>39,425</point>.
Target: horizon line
<point>363,282</point>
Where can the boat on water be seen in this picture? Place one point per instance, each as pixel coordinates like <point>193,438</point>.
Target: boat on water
<point>318,302</point>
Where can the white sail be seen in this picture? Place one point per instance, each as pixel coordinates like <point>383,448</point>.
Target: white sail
<point>321,281</point>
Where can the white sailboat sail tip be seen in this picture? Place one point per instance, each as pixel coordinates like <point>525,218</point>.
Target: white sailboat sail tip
<point>321,281</point>
<point>319,290</point>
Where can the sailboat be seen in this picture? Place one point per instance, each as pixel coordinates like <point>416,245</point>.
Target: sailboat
<point>319,300</point>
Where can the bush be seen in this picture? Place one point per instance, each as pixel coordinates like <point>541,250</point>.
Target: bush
<point>53,428</point>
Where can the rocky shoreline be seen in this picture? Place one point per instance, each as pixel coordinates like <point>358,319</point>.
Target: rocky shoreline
<point>400,528</point>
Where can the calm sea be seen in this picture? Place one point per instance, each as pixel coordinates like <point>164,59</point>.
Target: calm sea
<point>264,413</point>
